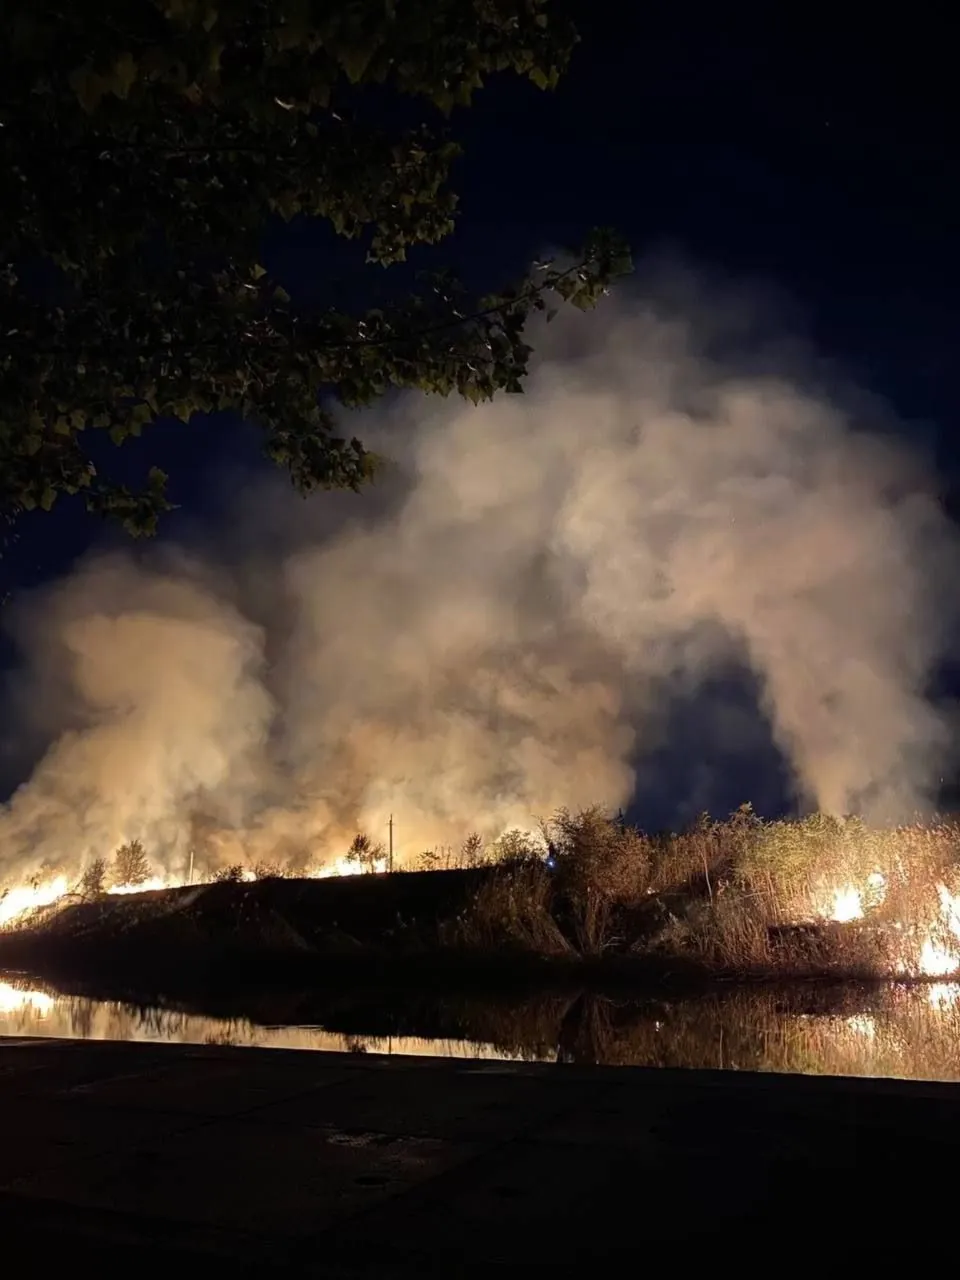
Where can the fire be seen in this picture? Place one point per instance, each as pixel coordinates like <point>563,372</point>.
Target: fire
<point>847,905</point>
<point>16,902</point>
<point>339,867</point>
<point>937,960</point>
<point>21,899</point>
<point>155,882</point>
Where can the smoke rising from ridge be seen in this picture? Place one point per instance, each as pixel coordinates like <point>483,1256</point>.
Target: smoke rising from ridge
<point>497,630</point>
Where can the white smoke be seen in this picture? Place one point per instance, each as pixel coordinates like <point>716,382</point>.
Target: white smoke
<point>497,630</point>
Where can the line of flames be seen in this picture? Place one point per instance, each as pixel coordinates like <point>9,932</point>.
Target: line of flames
<point>844,904</point>
<point>20,900</point>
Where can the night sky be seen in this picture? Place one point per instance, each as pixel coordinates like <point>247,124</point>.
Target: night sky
<point>813,161</point>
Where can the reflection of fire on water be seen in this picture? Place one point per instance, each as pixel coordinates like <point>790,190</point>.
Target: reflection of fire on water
<point>23,999</point>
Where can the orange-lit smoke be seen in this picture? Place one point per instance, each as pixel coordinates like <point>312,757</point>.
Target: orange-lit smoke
<point>493,631</point>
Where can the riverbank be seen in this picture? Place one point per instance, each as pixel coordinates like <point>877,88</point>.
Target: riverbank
<point>280,1163</point>
<point>738,900</point>
<point>435,929</point>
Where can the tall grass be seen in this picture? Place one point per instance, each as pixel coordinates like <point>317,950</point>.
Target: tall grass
<point>818,894</point>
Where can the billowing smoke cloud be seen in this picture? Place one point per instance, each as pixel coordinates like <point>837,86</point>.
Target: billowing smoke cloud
<point>500,628</point>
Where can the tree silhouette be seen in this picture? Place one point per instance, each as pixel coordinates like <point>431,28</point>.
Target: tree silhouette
<point>366,855</point>
<point>93,882</point>
<point>130,865</point>
<point>145,145</point>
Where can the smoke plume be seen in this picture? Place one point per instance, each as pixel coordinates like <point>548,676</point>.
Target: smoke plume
<point>500,627</point>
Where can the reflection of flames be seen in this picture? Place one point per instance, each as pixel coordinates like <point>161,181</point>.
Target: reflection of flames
<point>943,995</point>
<point>864,1024</point>
<point>15,999</point>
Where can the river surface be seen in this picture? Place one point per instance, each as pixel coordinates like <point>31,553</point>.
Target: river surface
<point>903,1031</point>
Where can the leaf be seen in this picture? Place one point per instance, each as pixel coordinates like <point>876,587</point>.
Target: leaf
<point>88,86</point>
<point>140,416</point>
<point>355,61</point>
<point>165,307</point>
<point>124,75</point>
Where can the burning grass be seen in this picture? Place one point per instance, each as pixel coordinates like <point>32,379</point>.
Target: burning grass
<point>817,896</point>
<point>821,896</point>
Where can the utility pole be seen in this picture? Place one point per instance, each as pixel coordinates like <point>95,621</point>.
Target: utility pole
<point>390,858</point>
<point>190,876</point>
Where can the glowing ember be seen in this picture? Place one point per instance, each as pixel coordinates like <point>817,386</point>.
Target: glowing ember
<point>13,999</point>
<point>16,902</point>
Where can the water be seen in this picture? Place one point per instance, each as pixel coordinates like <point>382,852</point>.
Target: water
<point>900,1031</point>
<point>28,1009</point>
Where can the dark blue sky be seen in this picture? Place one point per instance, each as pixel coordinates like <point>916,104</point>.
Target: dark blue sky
<point>812,159</point>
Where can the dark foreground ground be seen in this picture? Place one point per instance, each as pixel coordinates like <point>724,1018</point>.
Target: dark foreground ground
<point>227,1161</point>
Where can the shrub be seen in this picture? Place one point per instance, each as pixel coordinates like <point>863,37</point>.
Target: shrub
<point>517,846</point>
<point>600,865</point>
<point>230,875</point>
<point>268,871</point>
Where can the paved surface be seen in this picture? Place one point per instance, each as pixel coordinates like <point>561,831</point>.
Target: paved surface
<point>259,1162</point>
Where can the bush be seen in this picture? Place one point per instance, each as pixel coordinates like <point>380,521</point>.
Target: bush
<point>601,865</point>
<point>268,871</point>
<point>230,875</point>
<point>513,907</point>
<point>517,846</point>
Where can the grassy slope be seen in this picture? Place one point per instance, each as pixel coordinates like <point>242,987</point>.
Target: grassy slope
<point>728,899</point>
